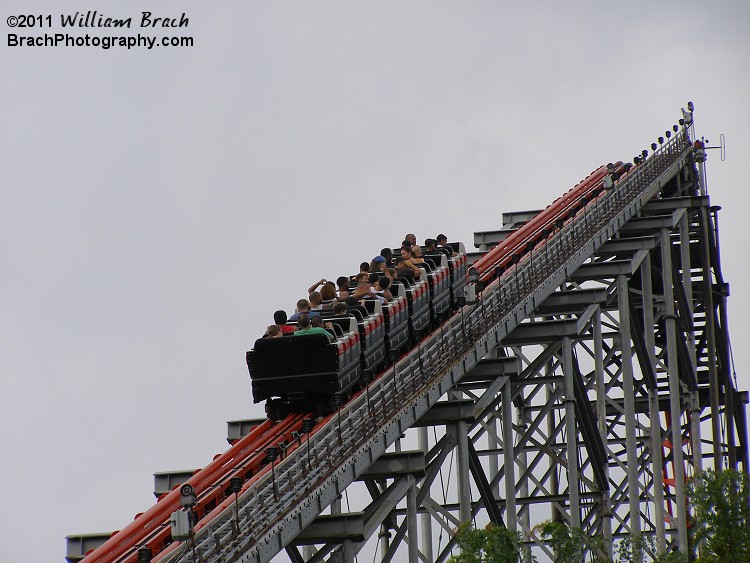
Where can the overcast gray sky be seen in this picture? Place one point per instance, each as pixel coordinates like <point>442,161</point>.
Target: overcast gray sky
<point>158,205</point>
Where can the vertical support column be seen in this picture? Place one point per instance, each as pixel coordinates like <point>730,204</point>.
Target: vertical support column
<point>425,519</point>
<point>687,281</point>
<point>348,551</point>
<point>464,482</point>
<point>411,520</point>
<point>657,467</point>
<point>523,465</point>
<point>687,285</point>
<point>522,459</point>
<point>695,430</point>
<point>384,535</point>
<point>554,481</point>
<point>493,441</point>
<point>708,304</point>
<point>628,390</point>
<point>385,538</point>
<point>572,433</point>
<point>657,462</point>
<point>509,458</point>
<point>495,444</point>
<point>729,390</point>
<point>601,421</point>
<point>675,392</point>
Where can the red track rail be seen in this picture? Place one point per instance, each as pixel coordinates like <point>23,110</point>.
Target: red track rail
<point>537,229</point>
<point>246,458</point>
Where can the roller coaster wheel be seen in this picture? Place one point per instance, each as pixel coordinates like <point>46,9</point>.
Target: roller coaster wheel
<point>393,355</point>
<point>366,378</point>
<point>276,409</point>
<point>338,400</point>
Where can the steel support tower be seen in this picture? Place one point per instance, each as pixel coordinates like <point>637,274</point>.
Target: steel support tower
<point>586,386</point>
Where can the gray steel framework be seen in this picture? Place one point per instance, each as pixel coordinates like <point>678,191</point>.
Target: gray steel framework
<point>556,395</point>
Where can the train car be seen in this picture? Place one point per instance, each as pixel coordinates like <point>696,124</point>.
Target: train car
<point>418,301</point>
<point>457,260</point>
<point>371,329</point>
<point>458,265</point>
<point>396,321</point>
<point>318,376</point>
<point>441,288</point>
<point>304,373</point>
<point>309,374</point>
<point>438,282</point>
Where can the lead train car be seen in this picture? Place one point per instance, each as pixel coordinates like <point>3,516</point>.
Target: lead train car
<point>309,374</point>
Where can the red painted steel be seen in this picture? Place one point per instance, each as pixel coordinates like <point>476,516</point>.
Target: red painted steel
<point>540,227</point>
<point>152,528</point>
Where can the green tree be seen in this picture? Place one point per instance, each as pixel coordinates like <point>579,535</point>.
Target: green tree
<point>721,516</point>
<point>672,557</point>
<point>632,549</point>
<point>493,544</point>
<point>570,544</point>
<point>720,531</point>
